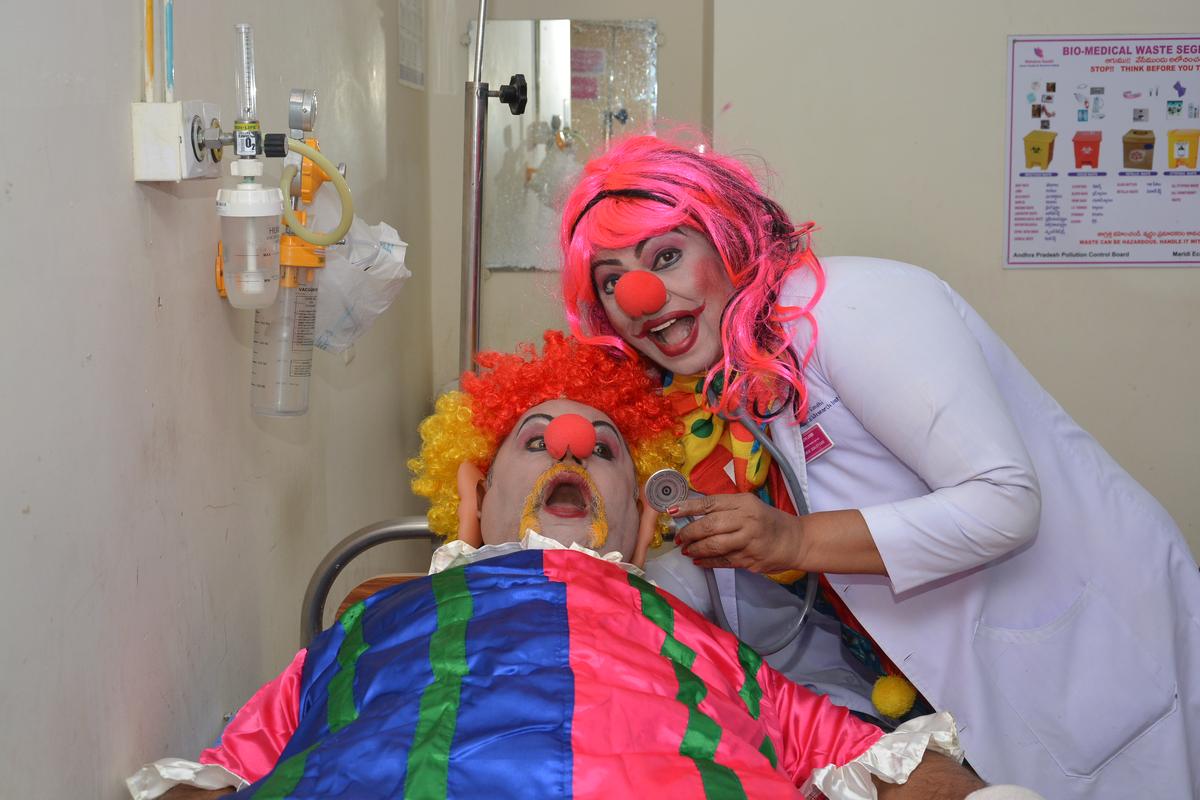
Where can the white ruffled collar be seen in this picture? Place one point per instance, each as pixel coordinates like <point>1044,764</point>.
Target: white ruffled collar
<point>456,553</point>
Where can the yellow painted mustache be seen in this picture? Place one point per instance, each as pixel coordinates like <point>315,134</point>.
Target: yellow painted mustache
<point>533,503</point>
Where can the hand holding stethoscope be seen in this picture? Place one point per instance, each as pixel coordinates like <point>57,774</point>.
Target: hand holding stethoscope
<point>738,530</point>
<point>667,491</point>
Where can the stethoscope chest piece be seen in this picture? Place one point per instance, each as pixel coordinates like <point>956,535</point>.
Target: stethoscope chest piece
<point>666,489</point>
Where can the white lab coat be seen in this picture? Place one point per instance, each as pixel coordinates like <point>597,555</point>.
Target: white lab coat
<point>1066,644</point>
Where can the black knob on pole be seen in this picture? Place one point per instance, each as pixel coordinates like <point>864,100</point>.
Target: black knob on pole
<point>515,94</point>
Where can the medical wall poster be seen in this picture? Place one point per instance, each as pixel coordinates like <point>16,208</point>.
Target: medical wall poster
<point>1103,151</point>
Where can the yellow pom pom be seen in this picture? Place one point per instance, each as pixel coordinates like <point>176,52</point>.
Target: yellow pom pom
<point>893,696</point>
<point>790,576</point>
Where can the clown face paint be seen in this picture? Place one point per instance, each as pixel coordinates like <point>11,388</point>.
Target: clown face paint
<point>591,501</point>
<point>684,335</point>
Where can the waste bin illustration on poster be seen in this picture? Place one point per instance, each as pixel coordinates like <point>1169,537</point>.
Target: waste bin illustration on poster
<point>1123,187</point>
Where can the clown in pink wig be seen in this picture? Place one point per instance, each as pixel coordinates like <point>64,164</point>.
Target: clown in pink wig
<point>969,532</point>
<point>644,188</point>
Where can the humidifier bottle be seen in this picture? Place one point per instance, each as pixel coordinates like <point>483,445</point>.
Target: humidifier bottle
<point>250,227</point>
<point>281,364</point>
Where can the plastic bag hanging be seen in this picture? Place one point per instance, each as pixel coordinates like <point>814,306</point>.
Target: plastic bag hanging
<point>361,279</point>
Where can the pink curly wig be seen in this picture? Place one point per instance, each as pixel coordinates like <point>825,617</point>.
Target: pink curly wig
<point>470,425</point>
<point>644,186</point>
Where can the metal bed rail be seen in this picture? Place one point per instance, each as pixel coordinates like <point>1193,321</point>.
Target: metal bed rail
<point>312,613</point>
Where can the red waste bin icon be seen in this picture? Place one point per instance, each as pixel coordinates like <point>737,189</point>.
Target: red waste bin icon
<point>1087,149</point>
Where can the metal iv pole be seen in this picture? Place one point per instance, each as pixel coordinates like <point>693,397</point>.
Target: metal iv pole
<point>514,94</point>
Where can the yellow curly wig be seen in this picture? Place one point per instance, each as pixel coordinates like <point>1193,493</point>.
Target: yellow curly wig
<point>470,425</point>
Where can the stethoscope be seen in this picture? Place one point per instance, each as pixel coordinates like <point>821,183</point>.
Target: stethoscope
<point>668,488</point>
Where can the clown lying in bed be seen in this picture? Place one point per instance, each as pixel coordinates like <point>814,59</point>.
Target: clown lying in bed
<point>536,660</point>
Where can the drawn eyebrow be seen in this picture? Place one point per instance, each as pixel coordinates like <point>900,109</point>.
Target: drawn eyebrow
<point>637,250</point>
<point>530,418</point>
<point>601,423</point>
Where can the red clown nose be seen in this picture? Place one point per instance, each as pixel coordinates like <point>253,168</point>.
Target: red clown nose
<point>640,293</point>
<point>570,433</point>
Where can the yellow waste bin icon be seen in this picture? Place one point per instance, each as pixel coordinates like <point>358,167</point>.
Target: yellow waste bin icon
<point>1039,149</point>
<point>1182,147</point>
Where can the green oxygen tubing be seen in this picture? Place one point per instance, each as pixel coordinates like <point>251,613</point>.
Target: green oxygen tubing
<point>343,190</point>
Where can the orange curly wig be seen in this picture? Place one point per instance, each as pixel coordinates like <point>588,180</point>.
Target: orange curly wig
<point>470,425</point>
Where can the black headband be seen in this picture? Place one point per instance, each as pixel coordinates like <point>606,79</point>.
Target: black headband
<point>640,194</point>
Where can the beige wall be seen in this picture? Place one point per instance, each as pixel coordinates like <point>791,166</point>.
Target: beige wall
<point>519,306</point>
<point>884,122</point>
<point>155,537</point>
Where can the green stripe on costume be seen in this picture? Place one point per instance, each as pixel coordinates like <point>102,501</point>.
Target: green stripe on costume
<point>654,607</point>
<point>341,710</point>
<point>284,777</point>
<point>703,734</point>
<point>751,692</point>
<point>429,756</point>
<point>719,781</point>
<point>768,750</point>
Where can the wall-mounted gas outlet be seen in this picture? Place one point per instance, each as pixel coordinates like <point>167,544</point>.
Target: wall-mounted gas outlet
<point>168,141</point>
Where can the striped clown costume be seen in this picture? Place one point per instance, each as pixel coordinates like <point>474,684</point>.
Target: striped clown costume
<point>545,673</point>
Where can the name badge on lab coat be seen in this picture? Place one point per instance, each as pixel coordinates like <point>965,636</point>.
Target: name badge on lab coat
<point>816,442</point>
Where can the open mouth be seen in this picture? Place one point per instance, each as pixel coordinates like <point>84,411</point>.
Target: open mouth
<point>565,505</point>
<point>567,495</point>
<point>675,333</point>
